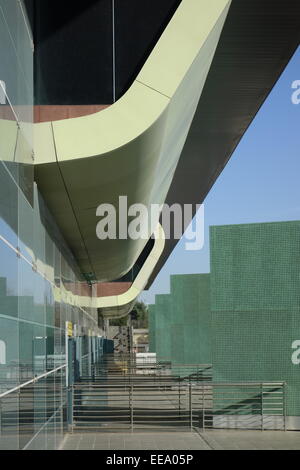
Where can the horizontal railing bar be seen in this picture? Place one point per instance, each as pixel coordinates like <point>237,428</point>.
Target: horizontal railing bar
<point>79,417</point>
<point>148,421</point>
<point>104,425</point>
<point>144,417</point>
<point>242,384</point>
<point>207,384</point>
<point>34,380</point>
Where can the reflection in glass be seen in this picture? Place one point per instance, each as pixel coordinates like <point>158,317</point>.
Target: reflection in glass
<point>8,207</point>
<point>32,322</point>
<point>25,213</point>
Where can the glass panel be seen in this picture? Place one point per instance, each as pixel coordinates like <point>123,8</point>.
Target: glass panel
<point>16,58</point>
<point>57,274</point>
<point>39,231</point>
<point>49,349</point>
<point>8,138</point>
<point>9,378</point>
<point>58,352</point>
<point>39,350</point>
<point>49,304</point>
<point>39,358</point>
<point>51,434</point>
<point>40,414</point>
<point>8,281</point>
<point>58,428</point>
<point>39,299</point>
<point>64,272</point>
<point>9,414</point>
<point>63,315</point>
<point>9,359</point>
<point>26,290</point>
<point>26,346</point>
<point>18,26</point>
<point>8,207</point>
<point>50,408</point>
<point>16,114</point>
<point>49,251</point>
<point>26,242</point>
<point>26,415</point>
<point>23,158</point>
<point>57,314</point>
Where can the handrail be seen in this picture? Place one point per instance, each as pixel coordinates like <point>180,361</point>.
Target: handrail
<point>35,379</point>
<point>85,355</point>
<point>195,386</point>
<point>182,406</point>
<point>229,384</point>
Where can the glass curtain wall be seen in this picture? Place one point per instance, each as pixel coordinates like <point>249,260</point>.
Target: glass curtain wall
<point>35,264</point>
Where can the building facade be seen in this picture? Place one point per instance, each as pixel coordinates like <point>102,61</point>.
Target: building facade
<point>39,277</point>
<point>97,102</point>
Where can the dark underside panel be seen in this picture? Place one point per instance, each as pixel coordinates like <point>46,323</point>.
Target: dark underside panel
<point>89,52</point>
<point>138,26</point>
<point>257,42</point>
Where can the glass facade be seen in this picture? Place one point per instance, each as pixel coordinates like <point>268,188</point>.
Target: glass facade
<point>35,266</point>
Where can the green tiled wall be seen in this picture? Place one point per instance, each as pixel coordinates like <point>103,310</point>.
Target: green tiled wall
<point>245,315</point>
<point>255,302</point>
<point>163,319</point>
<point>180,321</point>
<point>152,328</point>
<point>191,336</point>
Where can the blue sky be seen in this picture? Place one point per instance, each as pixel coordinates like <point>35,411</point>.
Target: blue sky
<point>260,183</point>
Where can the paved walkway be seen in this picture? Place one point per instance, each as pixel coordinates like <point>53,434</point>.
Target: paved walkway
<point>135,441</point>
<point>252,440</point>
<point>212,439</point>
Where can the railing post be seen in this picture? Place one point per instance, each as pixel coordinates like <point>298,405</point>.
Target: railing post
<point>19,413</point>
<point>191,406</point>
<point>284,404</point>
<point>70,406</point>
<point>262,406</point>
<point>0,417</point>
<point>131,407</point>
<point>203,409</point>
<point>93,371</point>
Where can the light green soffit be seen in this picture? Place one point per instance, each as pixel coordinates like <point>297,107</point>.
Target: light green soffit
<point>132,147</point>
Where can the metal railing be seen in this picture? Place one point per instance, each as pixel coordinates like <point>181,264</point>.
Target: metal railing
<point>239,406</point>
<point>125,365</point>
<point>178,405</point>
<point>28,405</point>
<point>12,374</point>
<point>32,381</point>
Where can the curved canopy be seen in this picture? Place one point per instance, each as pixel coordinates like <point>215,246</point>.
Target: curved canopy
<point>132,147</point>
